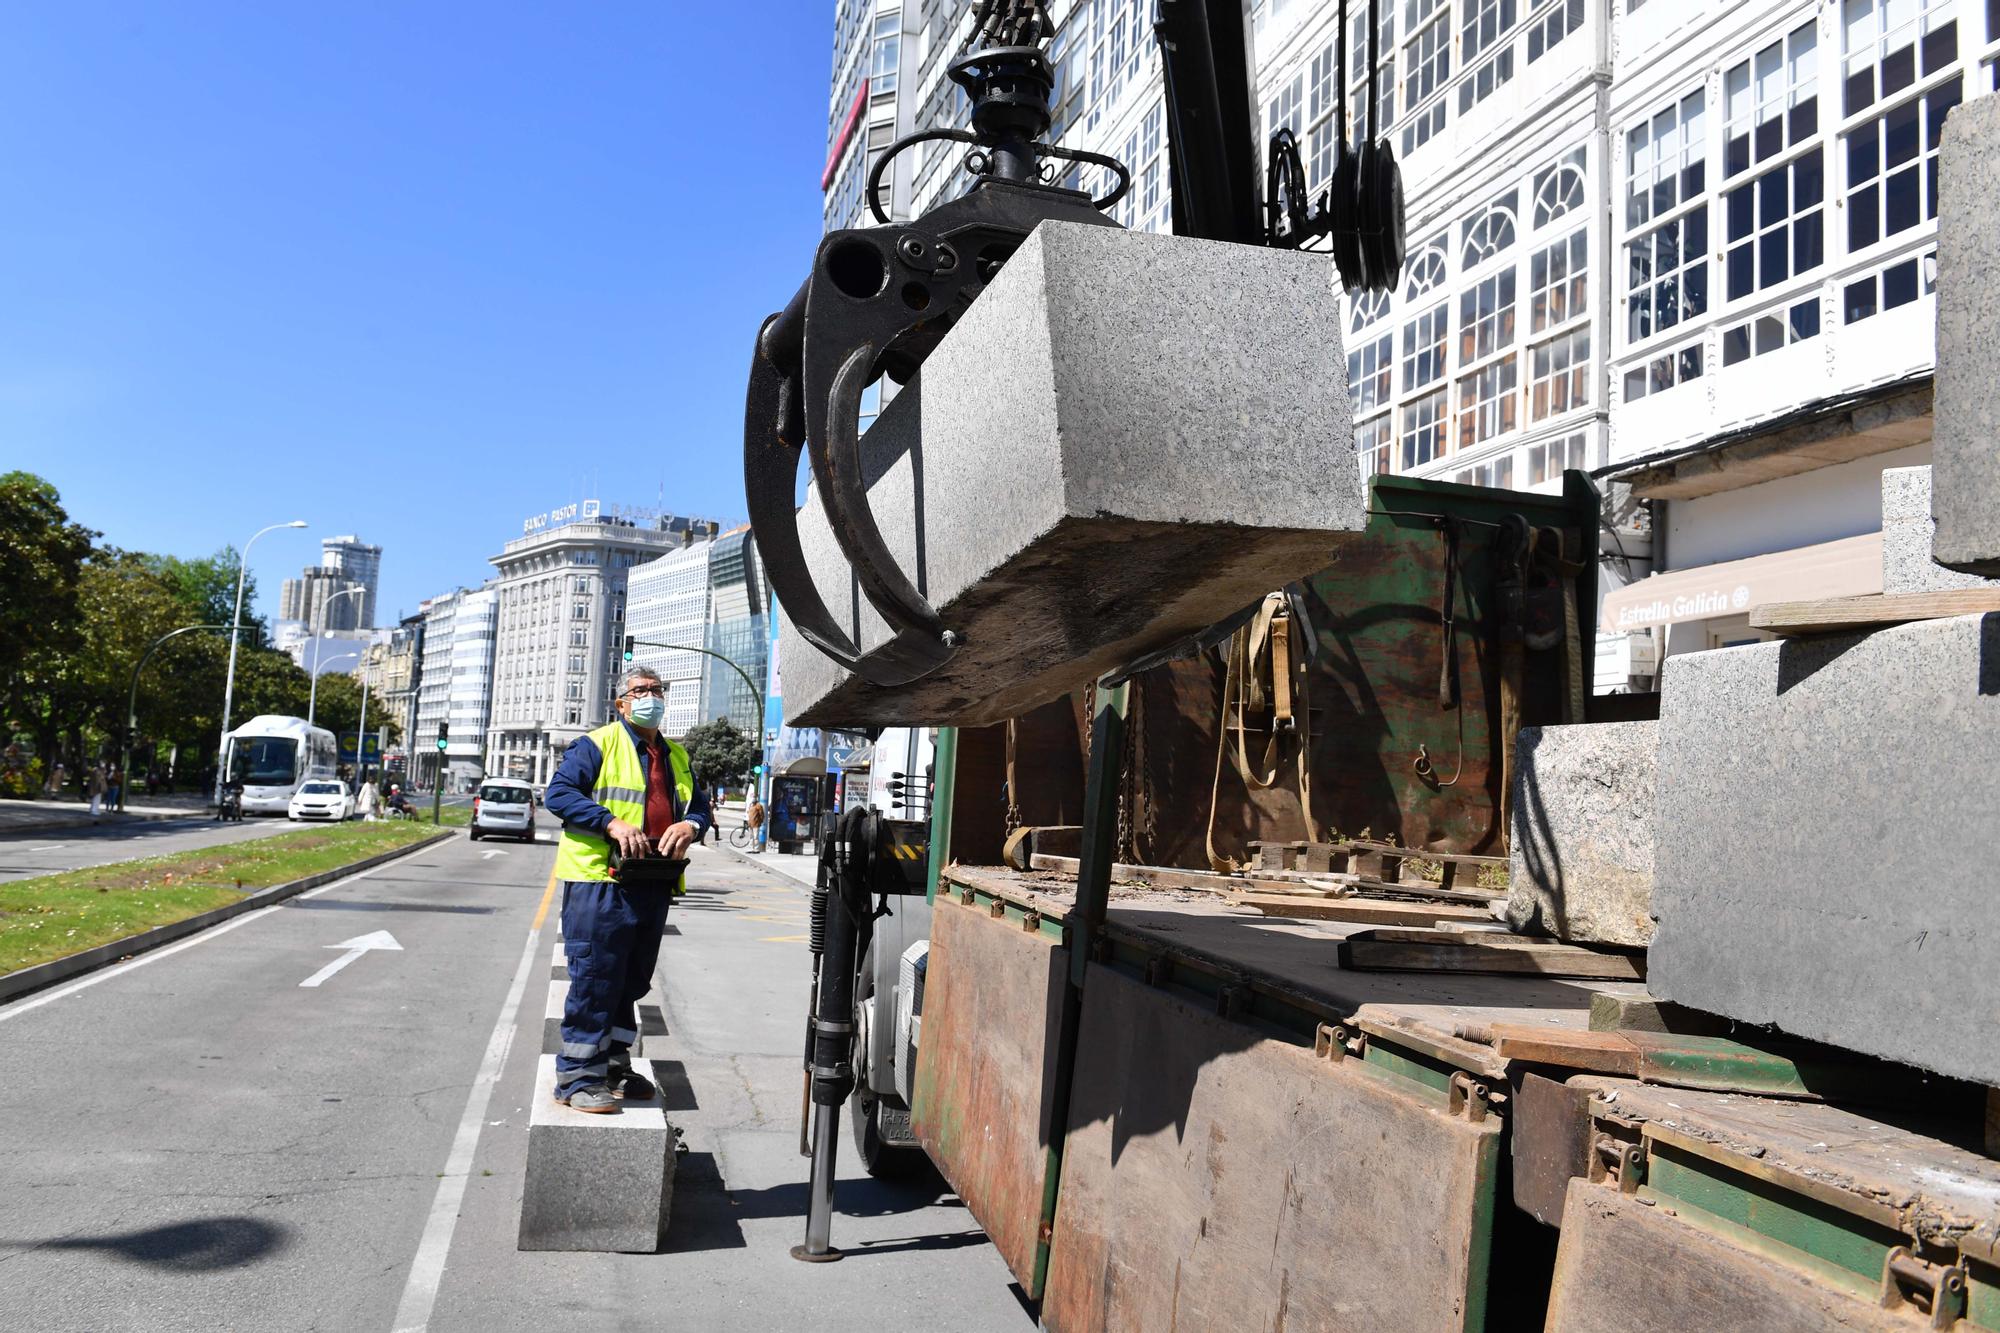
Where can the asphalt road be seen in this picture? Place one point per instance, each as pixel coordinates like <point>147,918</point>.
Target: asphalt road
<point>26,854</point>
<point>194,1140</point>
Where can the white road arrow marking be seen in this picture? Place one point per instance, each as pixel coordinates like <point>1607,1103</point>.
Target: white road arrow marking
<point>355,947</point>
<point>488,856</point>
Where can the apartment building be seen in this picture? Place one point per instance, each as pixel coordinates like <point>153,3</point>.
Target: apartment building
<point>1685,245</point>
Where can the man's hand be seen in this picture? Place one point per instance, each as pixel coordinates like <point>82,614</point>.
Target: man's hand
<point>631,841</point>
<point>675,841</point>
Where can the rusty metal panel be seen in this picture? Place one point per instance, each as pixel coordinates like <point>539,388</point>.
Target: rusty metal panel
<point>1376,614</point>
<point>1627,1266</point>
<point>981,1106</point>
<point>1550,1145</point>
<point>1214,1178</point>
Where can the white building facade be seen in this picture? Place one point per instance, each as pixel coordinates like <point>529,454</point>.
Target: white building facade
<point>560,623</point>
<point>457,685</point>
<point>668,604</point>
<point>1686,245</point>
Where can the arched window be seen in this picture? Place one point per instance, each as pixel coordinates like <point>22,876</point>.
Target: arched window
<point>1365,308</point>
<point>1489,233</point>
<point>1559,189</point>
<point>1427,269</point>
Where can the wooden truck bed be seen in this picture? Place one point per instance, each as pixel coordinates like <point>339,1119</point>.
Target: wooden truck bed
<point>1261,1136</point>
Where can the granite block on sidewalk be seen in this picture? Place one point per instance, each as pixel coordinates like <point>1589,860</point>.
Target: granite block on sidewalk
<point>1965,443</point>
<point>552,1018</point>
<point>1826,812</point>
<point>1581,859</point>
<point>1907,535</point>
<point>1116,406</point>
<point>596,1182</point>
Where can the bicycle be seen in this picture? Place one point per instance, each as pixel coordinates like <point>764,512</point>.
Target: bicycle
<point>743,836</point>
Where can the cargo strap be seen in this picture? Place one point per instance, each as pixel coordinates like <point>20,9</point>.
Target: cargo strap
<point>1263,672</point>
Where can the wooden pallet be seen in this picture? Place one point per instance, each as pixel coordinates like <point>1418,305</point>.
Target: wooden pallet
<point>1438,951</point>
<point>1369,911</point>
<point>1367,859</point>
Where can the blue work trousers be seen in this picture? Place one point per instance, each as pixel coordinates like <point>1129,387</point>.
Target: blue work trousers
<point>612,937</point>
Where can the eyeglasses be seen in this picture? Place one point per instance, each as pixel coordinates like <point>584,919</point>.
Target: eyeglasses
<point>657,691</point>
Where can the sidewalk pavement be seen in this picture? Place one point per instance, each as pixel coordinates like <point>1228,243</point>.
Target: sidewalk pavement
<point>799,867</point>
<point>25,816</point>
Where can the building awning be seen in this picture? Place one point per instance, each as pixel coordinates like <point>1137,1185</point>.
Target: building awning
<point>1850,567</point>
<point>1819,434</point>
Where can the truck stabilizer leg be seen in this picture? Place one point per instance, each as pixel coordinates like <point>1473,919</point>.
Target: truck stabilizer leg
<point>830,1064</point>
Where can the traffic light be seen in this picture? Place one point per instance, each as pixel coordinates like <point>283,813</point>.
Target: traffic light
<point>444,731</point>
<point>628,647</point>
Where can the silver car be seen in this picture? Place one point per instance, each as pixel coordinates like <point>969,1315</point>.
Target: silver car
<point>504,807</point>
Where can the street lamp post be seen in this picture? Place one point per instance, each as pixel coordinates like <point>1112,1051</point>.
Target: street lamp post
<point>361,732</point>
<point>312,699</point>
<point>235,631</point>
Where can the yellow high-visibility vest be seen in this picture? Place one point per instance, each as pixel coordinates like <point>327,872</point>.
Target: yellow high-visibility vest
<point>621,789</point>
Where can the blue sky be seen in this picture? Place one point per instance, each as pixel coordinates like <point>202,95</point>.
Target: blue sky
<point>414,271</point>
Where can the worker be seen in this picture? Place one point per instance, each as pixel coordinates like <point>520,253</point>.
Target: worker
<point>623,783</point>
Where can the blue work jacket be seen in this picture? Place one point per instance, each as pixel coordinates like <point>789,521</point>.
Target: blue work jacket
<point>568,796</point>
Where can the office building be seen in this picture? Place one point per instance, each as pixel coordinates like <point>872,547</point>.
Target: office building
<point>325,601</point>
<point>738,631</point>
<point>558,646</point>
<point>668,604</point>
<point>456,687</point>
<point>710,594</point>
<point>358,562</point>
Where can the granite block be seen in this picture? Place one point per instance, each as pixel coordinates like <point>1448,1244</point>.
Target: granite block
<point>1965,448</point>
<point>552,1017</point>
<point>596,1182</point>
<point>1907,531</point>
<point>1581,849</point>
<point>1826,809</point>
<point>1127,438</point>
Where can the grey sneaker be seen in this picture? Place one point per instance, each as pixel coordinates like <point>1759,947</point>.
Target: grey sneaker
<point>593,1097</point>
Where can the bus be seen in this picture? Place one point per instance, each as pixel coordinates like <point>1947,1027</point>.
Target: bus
<point>271,755</point>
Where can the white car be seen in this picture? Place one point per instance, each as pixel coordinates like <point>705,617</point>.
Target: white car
<point>504,808</point>
<point>320,800</point>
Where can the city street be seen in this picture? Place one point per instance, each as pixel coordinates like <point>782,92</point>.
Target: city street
<point>239,1150</point>
<point>41,853</point>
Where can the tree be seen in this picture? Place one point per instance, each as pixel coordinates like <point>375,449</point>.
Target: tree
<point>41,560</point>
<point>721,755</point>
<point>207,586</point>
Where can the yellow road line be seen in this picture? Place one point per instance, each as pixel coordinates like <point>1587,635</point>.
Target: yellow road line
<point>548,896</point>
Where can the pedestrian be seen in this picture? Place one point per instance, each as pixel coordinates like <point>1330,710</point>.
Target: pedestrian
<point>114,782</point>
<point>57,776</point>
<point>365,802</point>
<point>94,786</point>
<point>623,783</point>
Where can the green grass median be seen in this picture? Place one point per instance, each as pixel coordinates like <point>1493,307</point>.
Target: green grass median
<point>52,916</point>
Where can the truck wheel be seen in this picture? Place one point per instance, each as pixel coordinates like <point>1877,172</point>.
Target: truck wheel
<point>884,1161</point>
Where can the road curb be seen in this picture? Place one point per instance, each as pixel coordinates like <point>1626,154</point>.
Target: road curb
<point>85,821</point>
<point>43,975</point>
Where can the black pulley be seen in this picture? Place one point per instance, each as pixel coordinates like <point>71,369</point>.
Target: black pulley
<point>1380,187</point>
<point>1343,203</point>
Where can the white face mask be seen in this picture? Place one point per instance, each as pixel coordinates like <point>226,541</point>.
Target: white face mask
<point>648,710</point>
